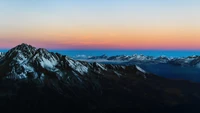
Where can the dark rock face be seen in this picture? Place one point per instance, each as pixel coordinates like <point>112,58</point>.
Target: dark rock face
<point>35,80</point>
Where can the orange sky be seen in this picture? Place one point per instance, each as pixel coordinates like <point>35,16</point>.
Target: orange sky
<point>114,24</point>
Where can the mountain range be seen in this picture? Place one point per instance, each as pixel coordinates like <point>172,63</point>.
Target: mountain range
<point>182,61</point>
<point>36,80</point>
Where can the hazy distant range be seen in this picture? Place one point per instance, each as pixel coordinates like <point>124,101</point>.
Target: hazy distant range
<point>155,53</point>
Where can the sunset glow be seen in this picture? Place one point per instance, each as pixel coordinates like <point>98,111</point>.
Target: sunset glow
<point>101,24</point>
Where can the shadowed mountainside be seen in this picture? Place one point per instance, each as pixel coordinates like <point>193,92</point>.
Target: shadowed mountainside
<point>36,80</point>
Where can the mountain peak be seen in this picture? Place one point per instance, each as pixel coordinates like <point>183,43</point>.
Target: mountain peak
<point>24,45</point>
<point>21,50</point>
<point>41,50</point>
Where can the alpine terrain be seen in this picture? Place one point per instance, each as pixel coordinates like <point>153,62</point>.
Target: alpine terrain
<point>36,80</point>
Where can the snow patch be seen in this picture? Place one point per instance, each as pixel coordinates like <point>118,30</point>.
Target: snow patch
<point>20,58</point>
<point>42,76</point>
<point>101,66</point>
<point>48,63</point>
<point>1,53</point>
<point>28,68</point>
<point>81,57</point>
<point>78,66</point>
<point>118,74</point>
<point>22,76</point>
<point>77,76</point>
<point>123,67</point>
<point>140,69</point>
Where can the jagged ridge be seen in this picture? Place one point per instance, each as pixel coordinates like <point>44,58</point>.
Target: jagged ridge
<point>37,80</point>
<point>131,59</point>
<point>24,61</point>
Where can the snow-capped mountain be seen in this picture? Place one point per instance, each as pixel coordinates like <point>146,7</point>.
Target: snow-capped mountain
<point>162,59</point>
<point>99,57</point>
<point>186,61</point>
<point>128,58</point>
<point>134,59</point>
<point>25,61</point>
<point>36,80</point>
<point>82,57</point>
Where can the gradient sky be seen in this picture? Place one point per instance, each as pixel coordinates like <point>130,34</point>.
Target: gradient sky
<point>101,24</point>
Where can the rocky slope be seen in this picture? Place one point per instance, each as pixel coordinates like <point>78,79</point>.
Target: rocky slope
<point>36,80</point>
<point>25,61</point>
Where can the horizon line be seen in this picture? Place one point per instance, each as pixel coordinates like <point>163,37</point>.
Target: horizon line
<point>108,49</point>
